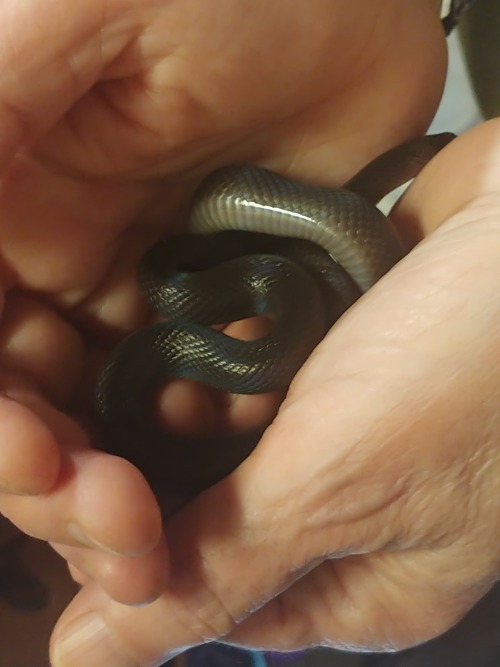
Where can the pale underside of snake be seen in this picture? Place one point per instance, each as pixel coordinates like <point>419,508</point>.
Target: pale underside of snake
<point>256,244</point>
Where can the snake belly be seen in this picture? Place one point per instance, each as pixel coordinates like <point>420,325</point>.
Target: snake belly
<point>257,244</point>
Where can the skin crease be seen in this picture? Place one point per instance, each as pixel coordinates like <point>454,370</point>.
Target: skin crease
<point>110,114</point>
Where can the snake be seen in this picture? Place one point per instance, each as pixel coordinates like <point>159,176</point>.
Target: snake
<point>256,243</point>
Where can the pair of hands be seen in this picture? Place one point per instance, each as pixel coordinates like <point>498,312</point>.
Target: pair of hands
<point>368,517</point>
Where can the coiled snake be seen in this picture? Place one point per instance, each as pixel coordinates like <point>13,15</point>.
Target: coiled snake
<point>258,243</point>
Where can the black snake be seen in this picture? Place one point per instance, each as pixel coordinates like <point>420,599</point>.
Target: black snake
<point>258,243</point>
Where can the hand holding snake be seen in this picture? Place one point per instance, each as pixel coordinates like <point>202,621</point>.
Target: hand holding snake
<point>260,244</point>
<point>110,114</point>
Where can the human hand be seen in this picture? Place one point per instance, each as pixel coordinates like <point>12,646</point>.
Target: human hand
<point>110,114</point>
<point>368,516</point>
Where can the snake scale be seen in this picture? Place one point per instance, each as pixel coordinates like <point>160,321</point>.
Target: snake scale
<point>257,244</point>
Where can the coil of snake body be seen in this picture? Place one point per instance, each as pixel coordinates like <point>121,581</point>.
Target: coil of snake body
<point>257,244</point>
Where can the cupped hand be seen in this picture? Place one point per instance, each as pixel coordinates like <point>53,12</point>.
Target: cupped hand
<point>368,516</point>
<point>110,112</point>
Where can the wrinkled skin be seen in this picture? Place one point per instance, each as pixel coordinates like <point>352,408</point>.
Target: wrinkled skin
<point>368,517</point>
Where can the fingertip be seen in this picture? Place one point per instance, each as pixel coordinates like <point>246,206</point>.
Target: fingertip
<point>116,508</point>
<point>129,581</point>
<point>30,455</point>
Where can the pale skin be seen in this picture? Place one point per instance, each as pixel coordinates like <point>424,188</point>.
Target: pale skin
<point>368,517</point>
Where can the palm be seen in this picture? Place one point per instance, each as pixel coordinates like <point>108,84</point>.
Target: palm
<point>181,82</point>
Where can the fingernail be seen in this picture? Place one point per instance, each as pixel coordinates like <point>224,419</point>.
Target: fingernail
<point>88,642</point>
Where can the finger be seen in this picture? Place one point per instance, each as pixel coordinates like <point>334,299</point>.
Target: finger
<point>30,455</point>
<point>88,503</point>
<point>39,353</point>
<point>36,342</point>
<point>90,506</point>
<point>130,581</point>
